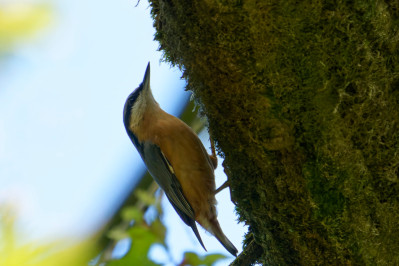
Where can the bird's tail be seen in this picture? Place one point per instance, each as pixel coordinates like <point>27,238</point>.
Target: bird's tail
<point>216,230</point>
<point>195,229</point>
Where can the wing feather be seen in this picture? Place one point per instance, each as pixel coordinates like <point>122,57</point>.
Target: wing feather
<point>163,173</point>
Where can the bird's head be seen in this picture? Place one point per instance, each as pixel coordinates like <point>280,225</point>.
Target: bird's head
<point>138,102</point>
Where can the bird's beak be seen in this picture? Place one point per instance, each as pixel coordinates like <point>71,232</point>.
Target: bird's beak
<point>146,80</point>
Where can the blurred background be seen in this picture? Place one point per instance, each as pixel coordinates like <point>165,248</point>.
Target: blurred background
<point>67,166</point>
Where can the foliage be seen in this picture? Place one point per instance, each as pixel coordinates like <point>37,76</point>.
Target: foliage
<point>147,230</point>
<point>191,258</point>
<point>63,252</point>
<point>302,99</point>
<point>144,233</point>
<point>19,22</point>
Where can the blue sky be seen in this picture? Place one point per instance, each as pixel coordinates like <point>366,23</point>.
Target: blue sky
<point>65,158</point>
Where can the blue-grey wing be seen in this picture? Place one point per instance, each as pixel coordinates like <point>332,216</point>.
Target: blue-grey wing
<point>163,173</point>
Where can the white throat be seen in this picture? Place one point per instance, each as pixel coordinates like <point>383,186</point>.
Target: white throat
<point>145,102</point>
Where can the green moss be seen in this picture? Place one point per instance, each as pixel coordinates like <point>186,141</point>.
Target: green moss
<point>324,185</point>
<point>302,98</point>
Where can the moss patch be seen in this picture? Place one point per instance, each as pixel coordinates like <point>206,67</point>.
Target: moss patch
<point>302,98</point>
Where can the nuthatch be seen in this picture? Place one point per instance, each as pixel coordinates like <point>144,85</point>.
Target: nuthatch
<point>176,159</point>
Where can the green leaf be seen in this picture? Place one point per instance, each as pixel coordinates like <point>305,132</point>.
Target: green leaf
<point>142,240</point>
<point>132,213</point>
<point>117,234</point>
<point>21,21</point>
<point>145,197</point>
<point>212,258</point>
<point>159,230</point>
<point>194,259</point>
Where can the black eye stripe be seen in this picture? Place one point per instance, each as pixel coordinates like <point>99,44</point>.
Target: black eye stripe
<point>127,111</point>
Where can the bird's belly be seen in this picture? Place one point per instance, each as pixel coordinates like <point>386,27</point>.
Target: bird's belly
<point>198,188</point>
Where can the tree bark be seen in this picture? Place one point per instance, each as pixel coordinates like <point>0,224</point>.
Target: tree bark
<point>302,98</point>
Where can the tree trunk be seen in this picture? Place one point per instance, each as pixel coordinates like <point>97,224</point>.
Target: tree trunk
<point>302,98</point>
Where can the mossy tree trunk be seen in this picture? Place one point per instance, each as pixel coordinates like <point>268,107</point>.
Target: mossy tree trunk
<point>302,98</point>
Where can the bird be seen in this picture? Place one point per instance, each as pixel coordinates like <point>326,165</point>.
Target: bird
<point>176,159</point>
